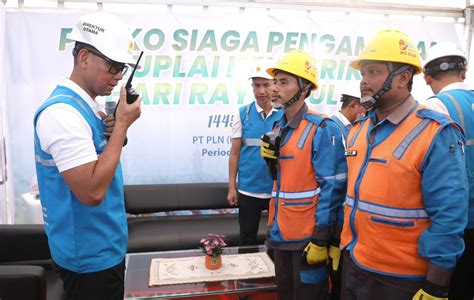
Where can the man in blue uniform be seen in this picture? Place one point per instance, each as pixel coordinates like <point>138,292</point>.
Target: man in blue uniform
<point>351,109</point>
<point>406,204</point>
<point>254,180</point>
<point>77,165</point>
<point>308,191</point>
<point>445,71</point>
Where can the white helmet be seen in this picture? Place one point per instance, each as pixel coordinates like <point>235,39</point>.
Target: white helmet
<point>259,70</point>
<point>351,90</point>
<point>444,49</point>
<point>107,33</point>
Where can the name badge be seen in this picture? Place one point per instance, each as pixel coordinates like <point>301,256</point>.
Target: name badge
<point>350,153</point>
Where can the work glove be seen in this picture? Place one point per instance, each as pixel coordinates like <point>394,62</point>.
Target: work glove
<point>335,257</point>
<point>431,291</point>
<point>315,254</point>
<point>269,150</point>
<point>422,295</point>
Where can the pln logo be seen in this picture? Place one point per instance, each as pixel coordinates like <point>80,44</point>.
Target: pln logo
<point>308,66</point>
<point>403,45</point>
<point>130,46</point>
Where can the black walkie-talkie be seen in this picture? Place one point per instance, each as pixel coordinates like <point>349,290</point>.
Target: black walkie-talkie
<point>132,95</point>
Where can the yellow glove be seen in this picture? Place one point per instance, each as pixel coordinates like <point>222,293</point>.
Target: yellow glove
<point>335,255</point>
<point>315,254</point>
<point>269,150</point>
<point>422,295</point>
<point>266,151</point>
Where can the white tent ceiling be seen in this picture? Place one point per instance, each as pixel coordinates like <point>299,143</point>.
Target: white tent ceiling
<point>404,5</point>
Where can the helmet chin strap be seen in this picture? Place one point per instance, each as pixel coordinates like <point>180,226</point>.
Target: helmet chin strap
<point>369,102</point>
<point>297,95</point>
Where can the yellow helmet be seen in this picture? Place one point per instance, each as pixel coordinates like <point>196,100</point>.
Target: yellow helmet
<point>390,45</point>
<point>298,63</point>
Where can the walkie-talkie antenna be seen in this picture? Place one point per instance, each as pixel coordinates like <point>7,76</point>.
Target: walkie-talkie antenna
<point>132,95</point>
<point>129,81</point>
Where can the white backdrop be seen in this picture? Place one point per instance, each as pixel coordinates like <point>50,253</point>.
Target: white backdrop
<point>4,211</point>
<point>194,78</point>
<point>7,198</point>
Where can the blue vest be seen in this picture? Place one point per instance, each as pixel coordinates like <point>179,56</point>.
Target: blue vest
<point>460,105</point>
<point>344,129</point>
<point>254,176</point>
<point>81,238</point>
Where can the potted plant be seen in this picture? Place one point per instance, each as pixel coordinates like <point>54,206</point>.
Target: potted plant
<point>212,247</point>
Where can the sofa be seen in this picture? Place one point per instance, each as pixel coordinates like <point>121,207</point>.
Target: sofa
<point>161,217</point>
<point>26,271</point>
<point>175,228</point>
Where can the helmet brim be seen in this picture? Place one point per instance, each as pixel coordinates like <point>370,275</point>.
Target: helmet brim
<point>272,72</point>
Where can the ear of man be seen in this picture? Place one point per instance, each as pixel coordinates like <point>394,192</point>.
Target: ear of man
<point>353,102</point>
<point>82,57</point>
<point>403,79</point>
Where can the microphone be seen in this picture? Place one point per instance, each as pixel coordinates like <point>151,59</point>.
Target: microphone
<point>110,107</point>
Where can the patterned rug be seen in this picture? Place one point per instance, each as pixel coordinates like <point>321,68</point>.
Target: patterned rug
<point>165,271</point>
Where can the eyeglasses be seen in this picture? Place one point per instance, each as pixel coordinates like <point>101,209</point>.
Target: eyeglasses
<point>114,67</point>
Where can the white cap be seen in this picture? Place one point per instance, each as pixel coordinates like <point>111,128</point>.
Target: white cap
<point>444,49</point>
<point>107,33</point>
<point>259,70</point>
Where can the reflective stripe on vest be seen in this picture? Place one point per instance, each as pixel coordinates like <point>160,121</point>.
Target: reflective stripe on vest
<point>296,195</point>
<point>252,142</point>
<point>304,135</point>
<point>356,134</point>
<point>340,176</point>
<point>388,211</point>
<point>469,142</point>
<point>78,102</point>
<point>45,162</point>
<point>398,153</point>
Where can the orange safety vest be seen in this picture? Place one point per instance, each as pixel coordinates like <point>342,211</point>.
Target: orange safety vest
<point>384,213</point>
<point>295,196</point>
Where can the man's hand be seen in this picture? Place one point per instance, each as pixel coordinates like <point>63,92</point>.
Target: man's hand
<point>334,256</point>
<point>432,291</point>
<point>316,254</point>
<point>232,197</point>
<point>422,295</point>
<point>126,113</point>
<point>109,122</point>
<point>269,150</point>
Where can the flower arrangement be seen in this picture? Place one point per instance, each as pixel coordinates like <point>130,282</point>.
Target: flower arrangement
<point>212,244</point>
